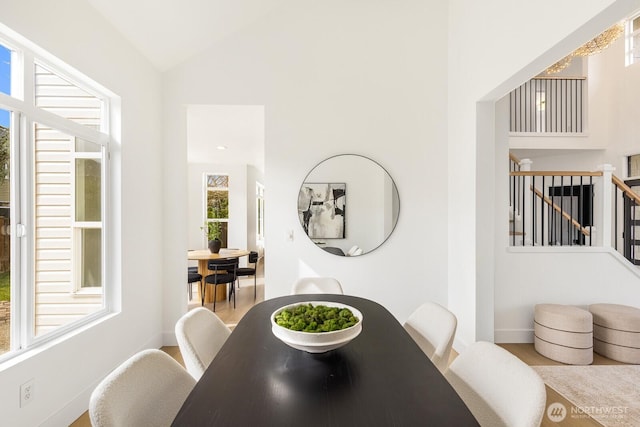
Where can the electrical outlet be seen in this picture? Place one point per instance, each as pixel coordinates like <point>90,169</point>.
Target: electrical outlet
<point>26,392</point>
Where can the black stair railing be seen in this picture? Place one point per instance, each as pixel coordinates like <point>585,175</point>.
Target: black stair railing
<point>556,208</point>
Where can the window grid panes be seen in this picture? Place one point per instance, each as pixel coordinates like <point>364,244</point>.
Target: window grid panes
<point>5,236</point>
<point>88,190</point>
<point>217,214</point>
<point>90,249</point>
<point>633,40</point>
<point>64,164</point>
<point>259,212</point>
<point>634,165</point>
<point>5,70</point>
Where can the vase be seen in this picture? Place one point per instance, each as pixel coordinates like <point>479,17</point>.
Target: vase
<point>214,245</point>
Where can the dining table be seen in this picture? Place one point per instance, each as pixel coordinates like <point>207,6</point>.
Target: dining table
<point>380,378</point>
<point>203,256</point>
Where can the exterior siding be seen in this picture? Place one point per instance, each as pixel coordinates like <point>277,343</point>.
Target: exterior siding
<point>58,96</point>
<point>57,300</point>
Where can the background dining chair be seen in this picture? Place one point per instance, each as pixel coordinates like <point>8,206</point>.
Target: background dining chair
<point>224,272</point>
<point>498,388</point>
<point>316,285</point>
<point>250,271</point>
<point>192,277</point>
<point>354,251</point>
<point>148,389</point>
<point>334,250</point>
<point>433,328</point>
<point>200,334</point>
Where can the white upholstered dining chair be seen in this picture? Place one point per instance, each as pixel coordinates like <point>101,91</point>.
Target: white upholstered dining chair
<point>433,328</point>
<point>499,389</point>
<point>148,389</point>
<point>316,285</point>
<point>200,334</point>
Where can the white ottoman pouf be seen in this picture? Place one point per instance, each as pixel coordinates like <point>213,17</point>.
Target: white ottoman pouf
<point>564,333</point>
<point>616,332</point>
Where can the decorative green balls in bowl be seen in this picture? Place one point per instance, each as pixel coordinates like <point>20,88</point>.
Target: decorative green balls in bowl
<point>316,326</point>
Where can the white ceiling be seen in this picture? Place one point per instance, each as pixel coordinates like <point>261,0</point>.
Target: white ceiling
<point>240,128</point>
<point>169,32</point>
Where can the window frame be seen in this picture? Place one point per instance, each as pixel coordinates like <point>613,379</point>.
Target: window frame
<point>259,213</point>
<point>24,114</point>
<point>78,226</point>
<point>630,161</point>
<point>208,188</point>
<point>631,37</point>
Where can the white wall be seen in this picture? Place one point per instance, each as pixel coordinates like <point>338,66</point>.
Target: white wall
<point>365,87</point>
<point>524,277</point>
<point>613,127</point>
<point>335,77</point>
<point>66,371</point>
<point>510,51</point>
<point>615,88</point>
<point>573,276</point>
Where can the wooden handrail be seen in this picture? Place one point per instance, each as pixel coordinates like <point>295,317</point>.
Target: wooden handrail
<point>555,173</point>
<point>514,159</point>
<point>559,210</point>
<point>559,78</point>
<point>625,189</point>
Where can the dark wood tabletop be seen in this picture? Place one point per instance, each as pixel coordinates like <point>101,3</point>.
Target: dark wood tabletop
<point>381,378</point>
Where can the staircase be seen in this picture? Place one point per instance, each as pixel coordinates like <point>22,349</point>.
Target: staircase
<point>566,208</point>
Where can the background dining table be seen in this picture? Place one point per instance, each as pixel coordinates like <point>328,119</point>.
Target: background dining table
<point>203,256</point>
<point>381,378</point>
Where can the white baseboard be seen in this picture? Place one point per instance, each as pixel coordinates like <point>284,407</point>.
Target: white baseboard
<point>505,336</point>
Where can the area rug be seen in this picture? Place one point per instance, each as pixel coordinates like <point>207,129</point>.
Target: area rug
<point>610,394</point>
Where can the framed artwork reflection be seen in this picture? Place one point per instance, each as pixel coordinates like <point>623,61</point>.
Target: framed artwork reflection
<point>321,208</point>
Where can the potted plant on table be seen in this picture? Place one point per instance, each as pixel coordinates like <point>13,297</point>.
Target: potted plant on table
<point>213,236</point>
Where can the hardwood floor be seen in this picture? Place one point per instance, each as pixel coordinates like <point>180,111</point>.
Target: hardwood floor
<point>528,354</point>
<point>224,310</point>
<point>244,302</point>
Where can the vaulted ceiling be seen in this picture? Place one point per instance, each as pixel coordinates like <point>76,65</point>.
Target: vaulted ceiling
<point>170,31</point>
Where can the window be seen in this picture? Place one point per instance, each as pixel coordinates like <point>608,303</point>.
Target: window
<point>632,40</point>
<point>53,168</point>
<point>633,165</point>
<point>259,212</point>
<point>217,214</point>
<point>5,74</point>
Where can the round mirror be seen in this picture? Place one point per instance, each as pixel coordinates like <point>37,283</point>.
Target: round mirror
<point>348,205</point>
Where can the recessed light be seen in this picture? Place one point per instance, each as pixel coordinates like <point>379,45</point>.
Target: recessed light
<point>221,147</point>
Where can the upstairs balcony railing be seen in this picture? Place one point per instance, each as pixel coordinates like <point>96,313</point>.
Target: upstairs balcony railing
<point>549,105</point>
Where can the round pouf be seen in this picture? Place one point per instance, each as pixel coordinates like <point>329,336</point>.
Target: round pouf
<point>564,333</point>
<point>616,332</point>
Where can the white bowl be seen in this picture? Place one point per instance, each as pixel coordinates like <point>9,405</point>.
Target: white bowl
<point>316,342</point>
